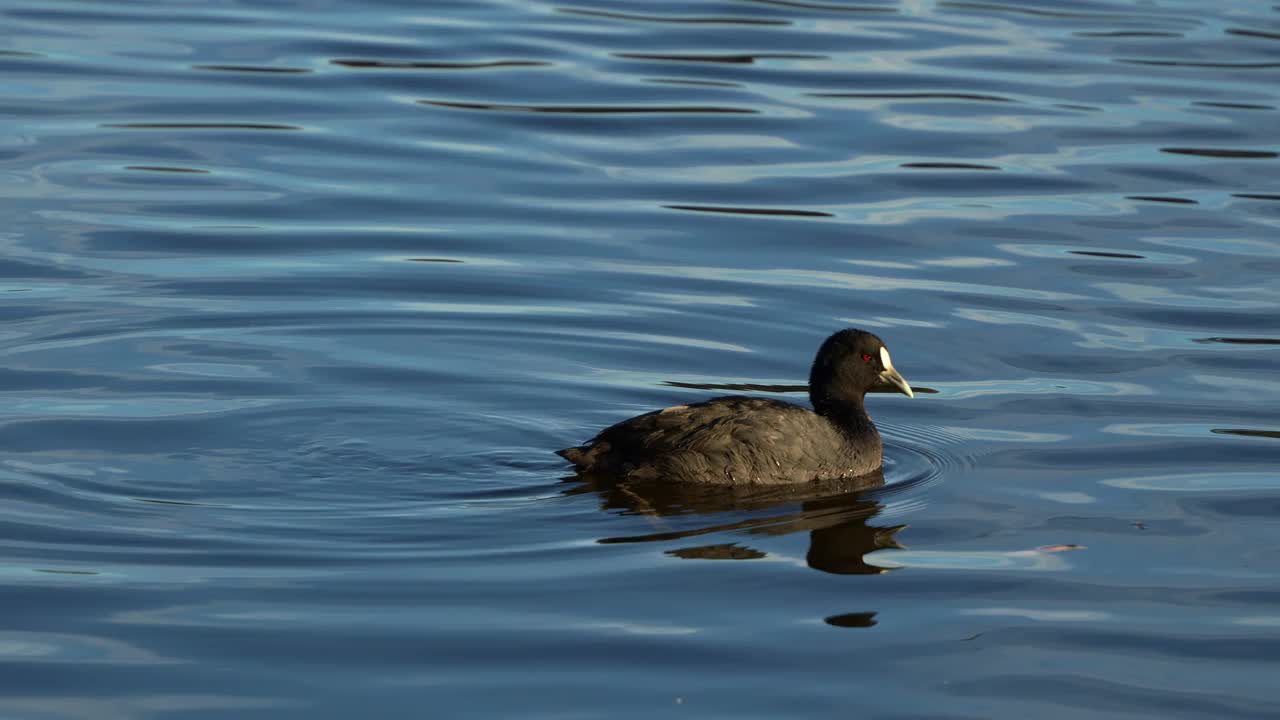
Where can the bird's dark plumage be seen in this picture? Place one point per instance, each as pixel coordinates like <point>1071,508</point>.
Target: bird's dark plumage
<point>741,440</point>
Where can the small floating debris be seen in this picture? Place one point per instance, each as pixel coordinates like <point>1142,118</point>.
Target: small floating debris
<point>1061,548</point>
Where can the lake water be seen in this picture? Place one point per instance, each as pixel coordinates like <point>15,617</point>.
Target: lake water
<point>299,298</point>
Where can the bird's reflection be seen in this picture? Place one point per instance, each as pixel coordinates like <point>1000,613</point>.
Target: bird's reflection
<point>835,513</point>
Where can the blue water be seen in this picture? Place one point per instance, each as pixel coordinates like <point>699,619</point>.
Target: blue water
<point>299,298</point>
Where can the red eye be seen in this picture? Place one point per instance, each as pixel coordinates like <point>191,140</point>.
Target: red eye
<point>866,358</point>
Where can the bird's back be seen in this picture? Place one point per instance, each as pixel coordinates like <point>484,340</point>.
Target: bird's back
<point>728,440</point>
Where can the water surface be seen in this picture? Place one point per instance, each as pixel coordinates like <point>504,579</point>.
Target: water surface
<point>301,296</point>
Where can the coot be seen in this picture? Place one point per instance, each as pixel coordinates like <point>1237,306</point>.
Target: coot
<point>742,440</point>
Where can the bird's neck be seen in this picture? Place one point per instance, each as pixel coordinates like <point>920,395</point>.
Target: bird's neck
<point>846,412</point>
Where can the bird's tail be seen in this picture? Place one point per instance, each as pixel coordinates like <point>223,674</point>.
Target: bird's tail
<point>575,455</point>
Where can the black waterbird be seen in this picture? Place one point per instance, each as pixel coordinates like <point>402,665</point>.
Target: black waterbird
<point>740,440</point>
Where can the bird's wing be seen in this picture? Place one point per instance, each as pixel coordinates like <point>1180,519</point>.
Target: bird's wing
<point>729,437</point>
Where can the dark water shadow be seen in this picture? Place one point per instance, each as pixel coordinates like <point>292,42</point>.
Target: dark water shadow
<point>1240,340</point>
<point>1232,105</point>
<point>680,19</point>
<point>749,211</point>
<point>1128,34</point>
<point>1245,432</point>
<point>200,126</point>
<point>1099,253</point>
<point>852,620</point>
<point>1188,63</point>
<point>1254,33</point>
<point>835,513</point>
<point>758,387</point>
<point>167,169</point>
<point>254,69</point>
<point>424,65</point>
<point>1159,199</point>
<point>739,59</point>
<point>1018,9</point>
<point>826,7</point>
<point>975,97</point>
<point>946,166</point>
<point>592,109</point>
<point>1221,153</point>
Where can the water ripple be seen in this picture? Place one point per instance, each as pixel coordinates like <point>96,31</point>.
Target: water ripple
<point>425,65</point>
<point>682,19</point>
<point>590,109</point>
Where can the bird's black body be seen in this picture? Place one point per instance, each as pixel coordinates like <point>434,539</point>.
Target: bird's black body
<point>741,440</point>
